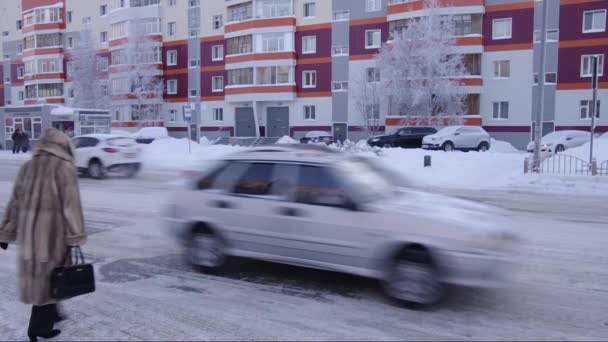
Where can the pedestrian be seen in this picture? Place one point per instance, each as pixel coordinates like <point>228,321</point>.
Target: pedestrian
<point>25,142</point>
<point>45,217</point>
<point>16,137</point>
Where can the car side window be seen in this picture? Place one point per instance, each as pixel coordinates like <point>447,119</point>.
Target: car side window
<point>256,181</point>
<point>317,186</point>
<point>88,142</point>
<point>227,177</point>
<point>404,132</point>
<point>77,142</point>
<point>209,179</point>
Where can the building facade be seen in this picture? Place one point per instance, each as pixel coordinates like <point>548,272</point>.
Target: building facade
<point>286,67</point>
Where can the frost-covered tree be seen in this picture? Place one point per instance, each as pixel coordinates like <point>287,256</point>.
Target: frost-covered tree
<point>421,71</point>
<point>85,69</point>
<point>368,100</point>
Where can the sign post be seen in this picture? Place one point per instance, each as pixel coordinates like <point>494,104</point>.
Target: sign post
<point>188,118</point>
<point>594,110</point>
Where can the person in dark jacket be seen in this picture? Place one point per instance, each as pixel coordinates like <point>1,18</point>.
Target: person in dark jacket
<point>17,138</point>
<point>25,142</point>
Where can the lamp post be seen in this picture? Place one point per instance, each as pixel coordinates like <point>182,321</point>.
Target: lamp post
<point>541,85</point>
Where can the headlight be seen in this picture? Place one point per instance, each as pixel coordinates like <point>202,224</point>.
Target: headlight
<point>375,140</point>
<point>547,145</point>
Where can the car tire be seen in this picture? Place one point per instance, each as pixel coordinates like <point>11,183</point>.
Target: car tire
<point>448,146</point>
<point>387,146</point>
<point>412,279</point>
<point>131,171</point>
<point>483,147</point>
<point>96,170</point>
<point>206,250</point>
<point>559,148</point>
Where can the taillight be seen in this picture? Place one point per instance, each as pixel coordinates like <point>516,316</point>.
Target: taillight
<point>110,150</point>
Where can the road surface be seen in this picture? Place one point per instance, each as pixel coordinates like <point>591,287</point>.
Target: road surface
<point>146,291</point>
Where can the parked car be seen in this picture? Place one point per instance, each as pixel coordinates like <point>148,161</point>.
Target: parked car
<point>344,213</point>
<point>464,138</point>
<point>147,135</point>
<point>98,154</point>
<point>559,141</point>
<point>407,137</point>
<point>317,137</point>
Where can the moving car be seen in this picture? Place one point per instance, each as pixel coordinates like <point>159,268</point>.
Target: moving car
<point>303,206</point>
<point>464,138</point>
<point>407,137</point>
<point>98,154</point>
<point>317,137</point>
<point>559,141</point>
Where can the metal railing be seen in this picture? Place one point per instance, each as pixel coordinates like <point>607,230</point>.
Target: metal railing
<point>602,168</point>
<point>565,165</point>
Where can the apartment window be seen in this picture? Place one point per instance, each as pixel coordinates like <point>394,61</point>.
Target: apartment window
<point>194,3</point>
<point>310,113</point>
<point>52,65</point>
<point>373,111</point>
<point>309,10</point>
<point>171,87</point>
<point>172,2</point>
<point>586,106</point>
<point>20,72</point>
<point>218,114</point>
<point>550,78</point>
<point>502,69</point>
<point>48,40</point>
<point>5,33</point>
<point>340,50</point>
<point>594,21</point>
<point>70,16</point>
<point>118,30</point>
<point>70,42</point>
<point>193,33</point>
<point>500,110</point>
<point>20,95</point>
<point>102,64</point>
<point>103,36</point>
<point>172,57</point>
<point>340,86</point>
<point>20,48</point>
<point>309,44</point>
<point>172,28</point>
<point>143,3</point>
<point>501,28</point>
<point>587,65</point>
<point>217,84</point>
<point>372,5</point>
<point>19,24</point>
<point>273,8</point>
<point>71,93</point>
<point>146,26</point>
<point>218,22</point>
<point>240,12</point>
<point>243,76</point>
<point>193,92</point>
<point>272,42</point>
<point>372,39</point>
<point>273,75</point>
<point>463,24</point>
<point>103,10</point>
<point>240,45</point>
<point>341,15</point>
<point>86,20</point>
<point>172,112</point>
<point>373,75</point>
<point>552,36</point>
<point>310,79</point>
<point>104,90</point>
<point>217,52</point>
<point>194,63</point>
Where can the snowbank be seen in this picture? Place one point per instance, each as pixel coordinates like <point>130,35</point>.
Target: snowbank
<point>502,147</point>
<point>600,150</point>
<point>174,154</point>
<point>151,133</point>
<point>287,140</point>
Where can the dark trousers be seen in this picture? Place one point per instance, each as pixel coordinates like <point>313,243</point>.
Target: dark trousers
<point>16,148</point>
<point>42,319</point>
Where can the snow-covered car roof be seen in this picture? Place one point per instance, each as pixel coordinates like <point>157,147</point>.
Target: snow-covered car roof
<point>448,129</point>
<point>316,134</point>
<point>151,133</point>
<point>102,136</point>
<point>558,135</point>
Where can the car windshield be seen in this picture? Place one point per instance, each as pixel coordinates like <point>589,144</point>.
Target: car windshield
<point>122,142</point>
<point>366,181</point>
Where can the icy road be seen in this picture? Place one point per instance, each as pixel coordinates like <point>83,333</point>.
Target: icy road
<point>146,291</point>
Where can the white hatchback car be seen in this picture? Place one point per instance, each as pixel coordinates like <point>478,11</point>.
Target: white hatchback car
<point>465,138</point>
<point>312,208</point>
<point>98,154</point>
<point>559,141</point>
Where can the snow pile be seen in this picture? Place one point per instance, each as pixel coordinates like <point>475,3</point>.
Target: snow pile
<point>600,150</point>
<point>286,140</point>
<point>175,154</point>
<point>151,133</point>
<point>352,147</point>
<point>203,141</point>
<point>502,147</point>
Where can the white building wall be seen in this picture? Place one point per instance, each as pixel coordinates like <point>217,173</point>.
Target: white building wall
<point>568,110</point>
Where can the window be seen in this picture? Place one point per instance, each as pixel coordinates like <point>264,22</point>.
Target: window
<point>256,181</point>
<point>463,24</point>
<point>118,30</point>
<point>502,69</point>
<point>341,15</point>
<point>309,10</point>
<point>194,3</point>
<point>86,20</point>
<point>172,87</point>
<point>218,22</point>
<point>309,44</point>
<point>340,86</point>
<point>147,26</point>
<point>217,84</point>
<point>240,45</point>
<point>500,110</point>
<point>69,16</point>
<point>172,57</point>
<point>587,65</point>
<point>218,114</point>
<point>20,95</point>
<point>102,64</point>
<point>172,28</point>
<point>340,51</point>
<point>372,39</point>
<point>172,112</point>
<point>272,42</point>
<point>310,79</point>
<point>5,33</point>
<point>594,21</point>
<point>193,33</point>
<point>586,109</point>
<point>48,40</point>
<point>19,47</point>
<point>501,28</point>
<point>372,5</point>
<point>373,75</point>
<point>103,36</point>
<point>172,3</point>
<point>240,12</point>
<point>242,76</point>
<point>273,75</point>
<point>550,78</point>
<point>19,24</point>
<point>20,72</point>
<point>143,3</point>
<point>194,63</point>
<point>273,8</point>
<point>71,93</point>
<point>193,92</point>
<point>551,36</point>
<point>373,111</point>
<point>32,126</point>
<point>318,186</point>
<point>217,52</point>
<point>70,42</point>
<point>310,113</point>
<point>103,10</point>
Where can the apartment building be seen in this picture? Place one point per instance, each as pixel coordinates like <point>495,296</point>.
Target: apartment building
<point>286,67</point>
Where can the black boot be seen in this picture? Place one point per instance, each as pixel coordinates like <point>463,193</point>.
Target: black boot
<point>49,335</point>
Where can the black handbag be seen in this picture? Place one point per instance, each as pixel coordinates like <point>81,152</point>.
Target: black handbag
<point>75,278</point>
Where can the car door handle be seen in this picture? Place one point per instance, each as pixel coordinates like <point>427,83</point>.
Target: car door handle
<point>223,204</point>
<point>292,212</point>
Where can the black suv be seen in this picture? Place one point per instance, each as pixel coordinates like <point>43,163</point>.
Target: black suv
<point>407,137</point>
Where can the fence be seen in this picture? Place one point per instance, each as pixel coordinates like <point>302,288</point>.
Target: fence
<point>564,164</point>
<point>602,169</point>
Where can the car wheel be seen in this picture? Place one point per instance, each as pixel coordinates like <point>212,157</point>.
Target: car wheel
<point>131,171</point>
<point>559,148</point>
<point>483,147</point>
<point>206,250</point>
<point>96,170</point>
<point>412,279</point>
<point>448,146</point>
<point>387,146</point>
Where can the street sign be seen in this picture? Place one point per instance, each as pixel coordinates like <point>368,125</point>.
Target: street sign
<point>187,110</point>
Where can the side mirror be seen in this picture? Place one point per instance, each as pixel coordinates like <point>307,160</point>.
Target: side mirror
<point>457,133</point>
<point>569,138</point>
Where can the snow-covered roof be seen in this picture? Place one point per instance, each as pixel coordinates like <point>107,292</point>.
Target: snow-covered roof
<point>62,110</point>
